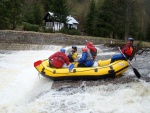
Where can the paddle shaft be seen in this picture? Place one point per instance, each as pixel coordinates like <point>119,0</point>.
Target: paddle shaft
<point>135,71</point>
<point>125,57</point>
<point>72,66</point>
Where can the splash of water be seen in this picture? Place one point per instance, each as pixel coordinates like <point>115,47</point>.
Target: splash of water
<point>23,92</point>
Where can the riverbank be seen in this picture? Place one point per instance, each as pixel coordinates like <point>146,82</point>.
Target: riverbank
<point>10,39</point>
<point>28,37</point>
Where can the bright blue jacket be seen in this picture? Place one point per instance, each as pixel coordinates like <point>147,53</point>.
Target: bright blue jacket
<point>84,59</point>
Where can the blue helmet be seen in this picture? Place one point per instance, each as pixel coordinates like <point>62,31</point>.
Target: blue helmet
<point>63,50</point>
<point>131,39</point>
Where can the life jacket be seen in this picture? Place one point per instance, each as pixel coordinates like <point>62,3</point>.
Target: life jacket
<point>89,56</point>
<point>92,49</point>
<point>127,49</point>
<point>93,53</point>
<point>86,56</point>
<point>59,59</point>
<point>89,60</point>
<point>72,56</point>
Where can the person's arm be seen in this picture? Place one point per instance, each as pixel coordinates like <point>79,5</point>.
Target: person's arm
<point>83,58</point>
<point>70,55</point>
<point>67,60</point>
<point>86,41</point>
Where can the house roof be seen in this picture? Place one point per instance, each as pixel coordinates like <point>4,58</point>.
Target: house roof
<point>51,14</point>
<point>71,20</point>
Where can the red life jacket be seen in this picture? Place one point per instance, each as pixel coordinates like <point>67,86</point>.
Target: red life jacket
<point>93,50</point>
<point>59,58</point>
<point>127,49</point>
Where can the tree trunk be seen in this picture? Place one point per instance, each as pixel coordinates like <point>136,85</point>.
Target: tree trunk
<point>127,19</point>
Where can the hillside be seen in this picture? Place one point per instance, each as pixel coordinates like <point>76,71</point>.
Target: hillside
<point>117,19</point>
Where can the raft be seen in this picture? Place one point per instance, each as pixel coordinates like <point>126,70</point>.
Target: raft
<point>104,69</point>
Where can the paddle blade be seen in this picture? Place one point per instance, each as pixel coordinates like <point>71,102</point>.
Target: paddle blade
<point>136,73</point>
<point>37,63</point>
<point>71,67</point>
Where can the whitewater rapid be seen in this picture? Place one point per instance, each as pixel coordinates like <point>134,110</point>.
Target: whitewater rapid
<point>23,91</point>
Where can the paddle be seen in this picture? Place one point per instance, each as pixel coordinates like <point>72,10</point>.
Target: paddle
<point>71,66</point>
<point>135,71</point>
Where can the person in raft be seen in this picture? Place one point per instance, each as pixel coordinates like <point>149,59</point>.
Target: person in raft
<point>86,59</point>
<point>128,50</point>
<point>73,54</point>
<point>58,59</point>
<point>92,49</point>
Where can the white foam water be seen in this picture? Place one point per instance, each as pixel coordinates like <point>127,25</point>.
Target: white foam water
<point>21,90</point>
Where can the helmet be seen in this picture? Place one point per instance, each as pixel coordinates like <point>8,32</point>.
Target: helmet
<point>84,49</point>
<point>63,50</point>
<point>131,39</point>
<point>74,47</point>
<point>91,43</point>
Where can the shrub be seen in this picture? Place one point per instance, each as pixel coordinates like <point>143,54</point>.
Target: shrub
<point>74,32</point>
<point>47,30</point>
<point>64,30</point>
<point>30,27</point>
<point>70,31</point>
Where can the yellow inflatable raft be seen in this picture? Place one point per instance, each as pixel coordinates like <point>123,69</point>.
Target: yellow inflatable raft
<point>103,69</point>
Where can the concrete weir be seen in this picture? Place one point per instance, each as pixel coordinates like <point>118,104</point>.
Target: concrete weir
<point>15,46</point>
<point>14,38</point>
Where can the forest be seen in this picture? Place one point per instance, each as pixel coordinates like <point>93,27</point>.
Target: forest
<point>117,19</point>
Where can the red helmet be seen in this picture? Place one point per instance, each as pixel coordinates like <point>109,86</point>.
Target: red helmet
<point>84,49</point>
<point>91,43</point>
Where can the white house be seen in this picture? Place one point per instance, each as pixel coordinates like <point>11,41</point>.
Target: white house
<point>51,21</point>
<point>71,22</point>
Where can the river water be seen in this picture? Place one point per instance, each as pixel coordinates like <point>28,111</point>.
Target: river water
<point>23,91</point>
